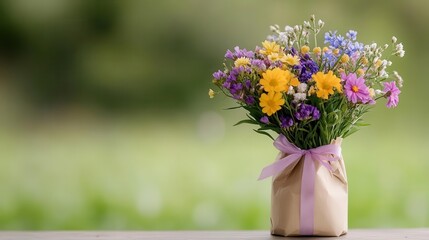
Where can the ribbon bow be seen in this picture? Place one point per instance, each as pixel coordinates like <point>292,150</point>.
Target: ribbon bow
<point>323,154</point>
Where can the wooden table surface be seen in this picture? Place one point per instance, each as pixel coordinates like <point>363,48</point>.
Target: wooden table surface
<point>362,234</point>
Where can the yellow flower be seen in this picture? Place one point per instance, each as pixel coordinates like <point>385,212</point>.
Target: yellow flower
<point>311,91</point>
<point>291,80</point>
<point>269,47</point>
<point>290,60</point>
<point>378,63</point>
<point>371,92</point>
<point>325,84</point>
<point>271,102</point>
<point>305,49</point>
<point>273,80</point>
<point>211,93</point>
<point>325,49</point>
<point>242,62</point>
<point>345,58</point>
<point>364,60</point>
<point>317,50</point>
<point>336,51</point>
<point>360,72</point>
<point>274,57</point>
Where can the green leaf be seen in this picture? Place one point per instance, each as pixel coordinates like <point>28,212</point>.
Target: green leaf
<point>248,121</point>
<point>264,133</point>
<point>230,108</point>
<point>350,132</point>
<point>362,124</point>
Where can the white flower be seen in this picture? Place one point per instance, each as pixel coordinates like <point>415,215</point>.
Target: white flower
<point>299,97</point>
<point>283,37</point>
<point>273,29</point>
<point>383,74</point>
<point>302,87</point>
<point>399,79</point>
<point>399,47</point>
<point>373,46</point>
<point>290,91</point>
<point>378,92</point>
<point>367,48</point>
<point>307,24</point>
<point>297,28</point>
<point>288,29</point>
<point>320,23</point>
<point>394,39</point>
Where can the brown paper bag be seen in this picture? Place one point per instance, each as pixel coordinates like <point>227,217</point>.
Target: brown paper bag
<point>330,199</point>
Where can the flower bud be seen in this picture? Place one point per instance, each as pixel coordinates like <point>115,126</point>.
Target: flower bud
<point>345,58</point>
<point>305,49</point>
<point>317,50</point>
<point>211,93</point>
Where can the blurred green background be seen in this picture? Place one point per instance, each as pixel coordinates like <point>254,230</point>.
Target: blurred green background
<point>105,122</point>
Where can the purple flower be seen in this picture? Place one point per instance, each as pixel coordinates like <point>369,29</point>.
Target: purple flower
<point>235,88</point>
<point>249,100</point>
<point>229,54</point>
<point>391,93</point>
<point>307,112</point>
<point>259,64</point>
<point>247,84</point>
<point>226,85</point>
<point>286,121</point>
<point>238,53</point>
<point>233,74</point>
<point>306,68</point>
<point>316,114</point>
<point>219,75</point>
<point>264,119</point>
<point>355,88</point>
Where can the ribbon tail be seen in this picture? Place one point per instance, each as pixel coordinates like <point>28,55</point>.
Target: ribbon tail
<point>307,196</point>
<point>278,166</point>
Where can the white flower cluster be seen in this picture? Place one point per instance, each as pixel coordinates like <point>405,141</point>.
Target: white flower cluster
<point>297,33</point>
<point>301,94</point>
<point>399,48</point>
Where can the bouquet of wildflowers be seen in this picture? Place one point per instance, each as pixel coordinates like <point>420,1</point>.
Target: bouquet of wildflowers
<point>311,94</point>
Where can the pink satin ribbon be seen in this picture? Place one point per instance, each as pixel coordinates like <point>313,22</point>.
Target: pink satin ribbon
<point>323,154</point>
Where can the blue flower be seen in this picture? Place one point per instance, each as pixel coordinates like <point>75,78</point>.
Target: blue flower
<point>351,35</point>
<point>347,45</point>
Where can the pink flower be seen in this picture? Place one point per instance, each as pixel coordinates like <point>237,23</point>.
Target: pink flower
<point>391,93</point>
<point>356,90</point>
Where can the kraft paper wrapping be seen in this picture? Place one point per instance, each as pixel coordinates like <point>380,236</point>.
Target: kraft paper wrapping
<point>330,199</point>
